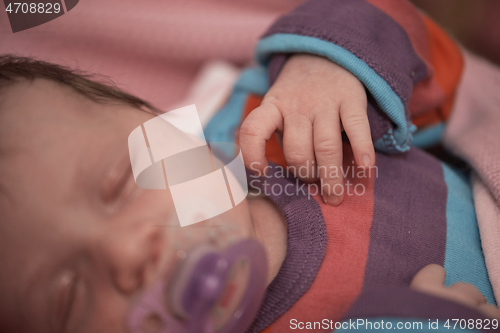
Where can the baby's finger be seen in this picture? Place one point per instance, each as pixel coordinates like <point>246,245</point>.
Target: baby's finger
<point>328,151</point>
<point>298,145</point>
<point>357,128</point>
<point>470,294</point>
<point>430,276</point>
<point>256,129</point>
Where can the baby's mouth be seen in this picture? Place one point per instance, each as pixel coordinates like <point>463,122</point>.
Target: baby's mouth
<point>211,290</point>
<point>174,242</point>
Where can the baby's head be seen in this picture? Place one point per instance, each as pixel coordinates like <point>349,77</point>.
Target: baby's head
<point>78,238</point>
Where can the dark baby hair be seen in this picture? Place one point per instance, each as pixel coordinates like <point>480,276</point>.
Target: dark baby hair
<point>13,67</point>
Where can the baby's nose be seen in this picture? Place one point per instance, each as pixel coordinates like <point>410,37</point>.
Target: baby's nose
<point>133,255</point>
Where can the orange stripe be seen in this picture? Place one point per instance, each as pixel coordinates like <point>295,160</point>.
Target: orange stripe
<point>274,152</point>
<point>432,98</point>
<point>448,63</point>
<point>446,57</point>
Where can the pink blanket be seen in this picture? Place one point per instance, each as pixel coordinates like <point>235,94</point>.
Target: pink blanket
<point>473,133</point>
<point>152,49</point>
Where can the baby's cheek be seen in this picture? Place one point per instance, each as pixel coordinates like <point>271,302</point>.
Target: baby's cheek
<point>107,314</point>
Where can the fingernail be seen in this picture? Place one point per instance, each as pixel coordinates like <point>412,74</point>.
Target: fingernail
<point>333,200</point>
<point>366,160</point>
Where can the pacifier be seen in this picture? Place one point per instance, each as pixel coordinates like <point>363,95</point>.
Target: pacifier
<point>211,291</point>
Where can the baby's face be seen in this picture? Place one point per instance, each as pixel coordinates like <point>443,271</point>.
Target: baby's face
<point>78,237</point>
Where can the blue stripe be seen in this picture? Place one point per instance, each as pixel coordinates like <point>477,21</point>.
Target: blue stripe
<point>428,136</point>
<point>397,324</point>
<point>386,98</point>
<point>223,125</point>
<point>464,259</point>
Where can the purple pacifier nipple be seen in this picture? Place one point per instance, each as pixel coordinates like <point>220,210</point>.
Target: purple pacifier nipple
<point>211,291</point>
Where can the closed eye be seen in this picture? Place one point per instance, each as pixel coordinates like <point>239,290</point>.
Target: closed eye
<point>72,302</point>
<point>65,299</point>
<point>116,181</point>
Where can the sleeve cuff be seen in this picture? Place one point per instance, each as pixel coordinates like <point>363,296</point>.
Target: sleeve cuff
<point>364,40</point>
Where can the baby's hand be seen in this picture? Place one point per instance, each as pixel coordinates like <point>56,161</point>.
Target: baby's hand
<point>310,104</point>
<point>430,279</point>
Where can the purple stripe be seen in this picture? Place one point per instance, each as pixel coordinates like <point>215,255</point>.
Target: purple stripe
<point>409,218</point>
<point>364,30</point>
<point>379,121</point>
<point>407,303</point>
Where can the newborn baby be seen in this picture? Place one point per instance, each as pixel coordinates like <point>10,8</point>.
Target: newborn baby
<point>80,240</point>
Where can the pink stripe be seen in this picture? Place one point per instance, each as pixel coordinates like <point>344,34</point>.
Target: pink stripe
<point>488,219</point>
<point>340,277</point>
